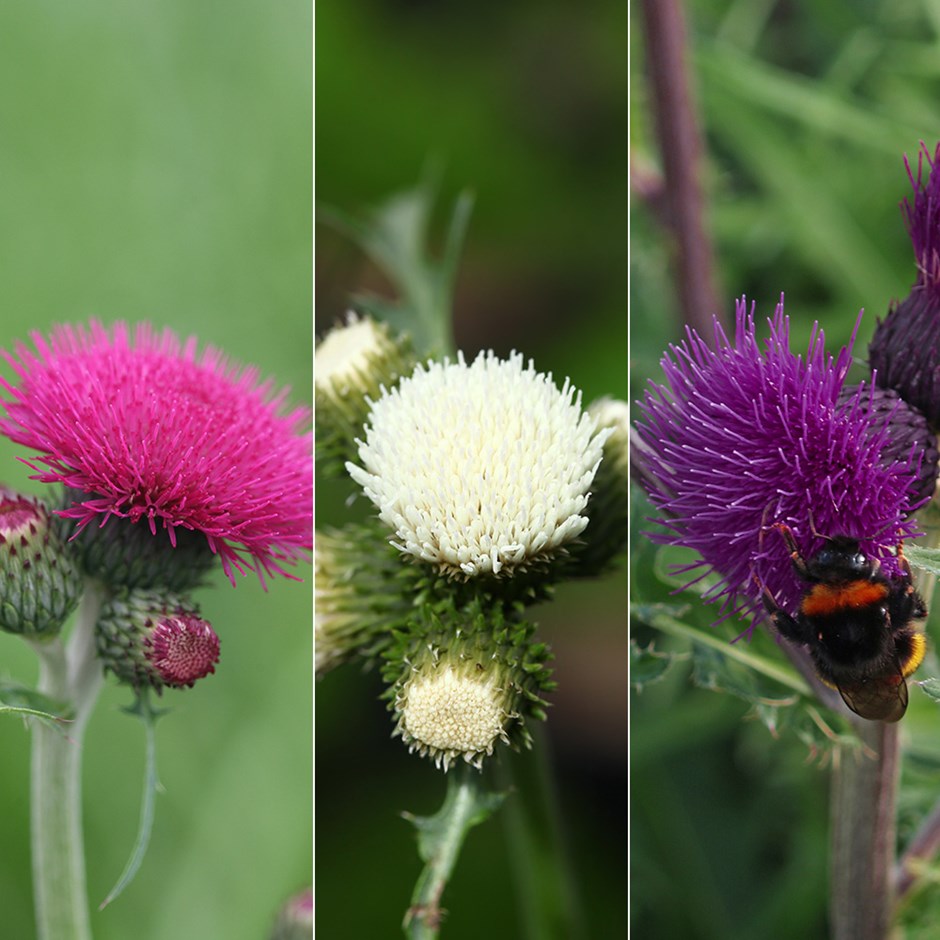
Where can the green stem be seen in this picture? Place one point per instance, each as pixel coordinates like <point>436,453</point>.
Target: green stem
<point>534,833</point>
<point>70,674</point>
<point>864,793</point>
<point>440,838</point>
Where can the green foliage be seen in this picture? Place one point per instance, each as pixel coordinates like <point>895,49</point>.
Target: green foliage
<point>466,804</point>
<point>16,699</point>
<point>648,665</point>
<point>395,237</point>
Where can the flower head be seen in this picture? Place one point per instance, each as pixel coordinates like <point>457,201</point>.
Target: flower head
<point>151,432</point>
<point>464,678</point>
<point>606,535</point>
<point>352,364</point>
<point>747,435</point>
<point>905,351</point>
<point>155,638</point>
<point>362,593</point>
<point>295,919</point>
<point>39,584</point>
<point>480,469</point>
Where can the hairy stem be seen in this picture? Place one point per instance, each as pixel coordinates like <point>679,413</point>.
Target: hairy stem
<point>864,793</point>
<point>70,674</point>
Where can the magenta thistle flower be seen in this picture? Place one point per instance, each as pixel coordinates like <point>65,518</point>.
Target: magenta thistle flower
<point>150,431</point>
<point>905,351</point>
<point>155,638</point>
<point>749,434</point>
<point>182,649</point>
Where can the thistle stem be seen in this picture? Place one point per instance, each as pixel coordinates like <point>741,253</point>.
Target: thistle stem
<point>864,793</point>
<point>70,674</point>
<point>440,839</point>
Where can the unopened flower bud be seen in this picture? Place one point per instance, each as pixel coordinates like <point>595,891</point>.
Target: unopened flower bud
<point>39,581</point>
<point>295,920</point>
<point>606,534</point>
<point>352,365</point>
<point>362,592</point>
<point>155,638</point>
<point>461,690</point>
<point>904,354</point>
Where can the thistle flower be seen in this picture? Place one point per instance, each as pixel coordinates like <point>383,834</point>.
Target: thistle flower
<point>155,638</point>
<point>39,584</point>
<point>362,593</point>
<point>747,435</point>
<point>295,919</point>
<point>352,365</point>
<point>905,350</point>
<point>465,681</point>
<point>606,535</point>
<point>150,432</point>
<point>480,469</point>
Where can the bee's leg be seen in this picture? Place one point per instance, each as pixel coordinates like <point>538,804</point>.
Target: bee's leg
<point>788,627</point>
<point>795,557</point>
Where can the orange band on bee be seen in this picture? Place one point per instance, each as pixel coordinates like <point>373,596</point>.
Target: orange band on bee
<point>826,599</point>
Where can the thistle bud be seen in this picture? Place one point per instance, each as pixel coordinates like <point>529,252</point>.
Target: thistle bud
<point>295,920</point>
<point>460,690</point>
<point>362,592</point>
<point>352,365</point>
<point>606,534</point>
<point>41,584</point>
<point>904,354</point>
<point>155,638</point>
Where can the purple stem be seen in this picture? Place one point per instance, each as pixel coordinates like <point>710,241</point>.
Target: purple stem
<point>681,148</point>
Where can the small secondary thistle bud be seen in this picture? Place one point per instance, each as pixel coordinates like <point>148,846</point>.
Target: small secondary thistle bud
<point>155,638</point>
<point>39,582</point>
<point>460,690</point>
<point>362,593</point>
<point>295,920</point>
<point>608,509</point>
<point>353,364</point>
<point>122,553</point>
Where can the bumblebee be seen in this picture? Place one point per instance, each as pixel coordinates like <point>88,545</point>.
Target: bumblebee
<point>857,624</point>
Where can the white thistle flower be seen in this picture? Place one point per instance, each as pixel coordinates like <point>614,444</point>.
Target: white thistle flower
<point>346,354</point>
<point>352,365</point>
<point>453,709</point>
<point>480,469</point>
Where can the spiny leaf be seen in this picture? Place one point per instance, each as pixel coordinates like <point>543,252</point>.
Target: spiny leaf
<point>649,665</point>
<point>148,715</point>
<point>17,699</point>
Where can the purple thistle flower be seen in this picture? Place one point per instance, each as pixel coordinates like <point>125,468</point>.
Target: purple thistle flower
<point>151,432</point>
<point>905,351</point>
<point>747,435</point>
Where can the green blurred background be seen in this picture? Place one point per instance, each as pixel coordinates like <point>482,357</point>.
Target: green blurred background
<point>807,110</point>
<point>155,164</point>
<point>525,105</point>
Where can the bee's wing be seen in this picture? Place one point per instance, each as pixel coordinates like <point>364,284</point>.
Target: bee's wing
<point>882,698</point>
